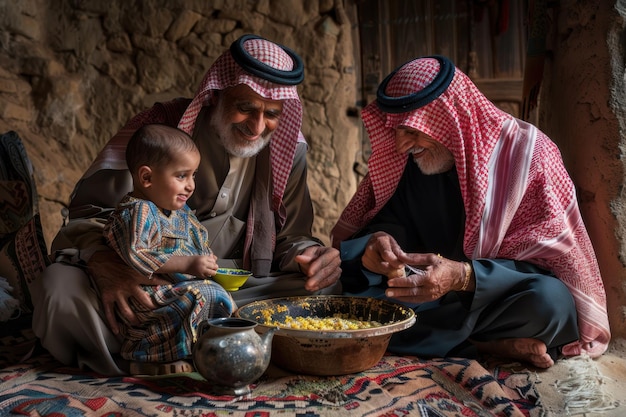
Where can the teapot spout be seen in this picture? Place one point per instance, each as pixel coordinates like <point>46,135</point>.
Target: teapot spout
<point>266,340</point>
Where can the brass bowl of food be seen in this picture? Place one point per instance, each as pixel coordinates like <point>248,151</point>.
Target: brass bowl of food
<point>328,335</point>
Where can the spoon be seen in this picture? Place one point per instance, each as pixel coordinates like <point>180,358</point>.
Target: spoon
<point>414,270</point>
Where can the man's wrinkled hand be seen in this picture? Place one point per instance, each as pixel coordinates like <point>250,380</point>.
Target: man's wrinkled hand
<point>117,283</point>
<point>382,255</point>
<point>437,276</point>
<point>321,265</point>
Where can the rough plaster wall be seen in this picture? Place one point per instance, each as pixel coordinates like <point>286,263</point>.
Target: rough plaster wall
<point>616,42</point>
<point>73,72</point>
<point>582,110</point>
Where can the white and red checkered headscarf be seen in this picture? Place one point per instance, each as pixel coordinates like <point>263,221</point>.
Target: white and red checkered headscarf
<point>519,200</point>
<point>225,72</point>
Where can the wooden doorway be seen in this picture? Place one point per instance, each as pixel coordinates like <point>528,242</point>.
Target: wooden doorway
<point>486,39</point>
<point>483,38</point>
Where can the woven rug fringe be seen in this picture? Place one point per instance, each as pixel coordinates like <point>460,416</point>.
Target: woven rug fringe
<point>583,388</point>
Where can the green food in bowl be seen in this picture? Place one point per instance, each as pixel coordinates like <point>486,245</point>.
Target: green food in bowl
<point>231,279</point>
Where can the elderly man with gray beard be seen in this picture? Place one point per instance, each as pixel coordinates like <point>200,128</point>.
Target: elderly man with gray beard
<point>468,216</point>
<point>251,195</point>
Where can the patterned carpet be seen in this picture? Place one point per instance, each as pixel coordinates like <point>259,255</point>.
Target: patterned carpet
<point>396,386</point>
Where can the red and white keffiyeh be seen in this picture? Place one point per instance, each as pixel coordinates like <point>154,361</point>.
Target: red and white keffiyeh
<point>224,73</point>
<point>519,200</point>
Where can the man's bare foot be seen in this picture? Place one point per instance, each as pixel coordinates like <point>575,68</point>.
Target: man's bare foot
<point>523,349</point>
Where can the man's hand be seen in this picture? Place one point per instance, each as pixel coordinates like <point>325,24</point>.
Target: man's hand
<point>117,283</point>
<point>321,265</point>
<point>382,255</point>
<point>437,276</point>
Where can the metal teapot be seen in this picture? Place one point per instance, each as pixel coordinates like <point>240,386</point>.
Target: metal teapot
<point>230,354</point>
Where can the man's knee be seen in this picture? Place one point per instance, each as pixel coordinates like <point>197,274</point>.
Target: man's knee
<point>550,299</point>
<point>60,283</point>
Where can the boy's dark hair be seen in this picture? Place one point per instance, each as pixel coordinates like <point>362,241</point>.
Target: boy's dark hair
<point>154,144</point>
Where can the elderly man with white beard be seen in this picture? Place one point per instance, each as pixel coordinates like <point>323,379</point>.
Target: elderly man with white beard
<point>251,195</point>
<point>468,216</point>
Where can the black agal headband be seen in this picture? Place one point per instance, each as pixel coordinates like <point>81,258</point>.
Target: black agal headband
<point>262,70</point>
<point>420,98</point>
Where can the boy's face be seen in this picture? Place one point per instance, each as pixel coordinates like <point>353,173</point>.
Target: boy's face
<point>171,185</point>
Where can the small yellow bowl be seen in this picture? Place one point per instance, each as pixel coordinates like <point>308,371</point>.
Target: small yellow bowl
<point>231,279</point>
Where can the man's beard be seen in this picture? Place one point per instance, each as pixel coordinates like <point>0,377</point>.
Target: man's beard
<point>234,145</point>
<point>434,164</point>
<point>243,148</point>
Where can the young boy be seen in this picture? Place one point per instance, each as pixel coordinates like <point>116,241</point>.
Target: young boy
<point>155,232</point>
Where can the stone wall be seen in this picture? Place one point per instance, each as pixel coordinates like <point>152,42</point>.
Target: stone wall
<point>584,111</point>
<point>72,73</point>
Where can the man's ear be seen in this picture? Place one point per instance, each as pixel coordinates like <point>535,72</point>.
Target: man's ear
<point>145,176</point>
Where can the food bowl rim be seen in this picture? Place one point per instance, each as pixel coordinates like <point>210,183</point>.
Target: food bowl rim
<point>334,334</point>
<point>246,273</point>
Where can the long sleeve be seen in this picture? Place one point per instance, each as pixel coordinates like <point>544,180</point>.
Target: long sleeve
<point>134,232</point>
<point>494,277</point>
<point>296,233</point>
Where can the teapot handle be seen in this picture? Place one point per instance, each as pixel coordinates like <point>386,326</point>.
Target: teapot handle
<point>202,328</point>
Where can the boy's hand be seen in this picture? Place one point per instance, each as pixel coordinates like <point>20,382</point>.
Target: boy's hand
<point>203,266</point>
